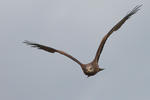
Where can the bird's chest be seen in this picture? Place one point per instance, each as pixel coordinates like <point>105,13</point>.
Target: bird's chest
<point>89,69</point>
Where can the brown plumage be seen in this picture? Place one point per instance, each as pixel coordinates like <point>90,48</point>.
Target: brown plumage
<point>91,68</point>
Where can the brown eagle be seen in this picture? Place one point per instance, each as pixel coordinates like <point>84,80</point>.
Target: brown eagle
<point>91,68</point>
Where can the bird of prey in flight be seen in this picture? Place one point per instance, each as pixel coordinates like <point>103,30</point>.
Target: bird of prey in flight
<point>91,68</point>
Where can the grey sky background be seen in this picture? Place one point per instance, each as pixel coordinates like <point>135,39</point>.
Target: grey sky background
<point>77,27</point>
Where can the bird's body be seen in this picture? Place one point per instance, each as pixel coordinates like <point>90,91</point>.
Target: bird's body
<point>92,68</point>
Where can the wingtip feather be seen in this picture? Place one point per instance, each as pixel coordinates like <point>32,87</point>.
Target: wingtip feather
<point>29,42</point>
<point>134,10</point>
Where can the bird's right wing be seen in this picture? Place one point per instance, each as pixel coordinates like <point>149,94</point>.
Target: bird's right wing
<point>52,50</point>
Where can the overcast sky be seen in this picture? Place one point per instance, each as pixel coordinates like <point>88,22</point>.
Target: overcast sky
<point>77,27</point>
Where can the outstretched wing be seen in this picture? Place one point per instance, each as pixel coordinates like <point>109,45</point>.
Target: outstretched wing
<point>51,50</point>
<point>115,28</point>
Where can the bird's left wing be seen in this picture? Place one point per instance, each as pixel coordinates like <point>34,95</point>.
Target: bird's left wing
<point>115,28</point>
